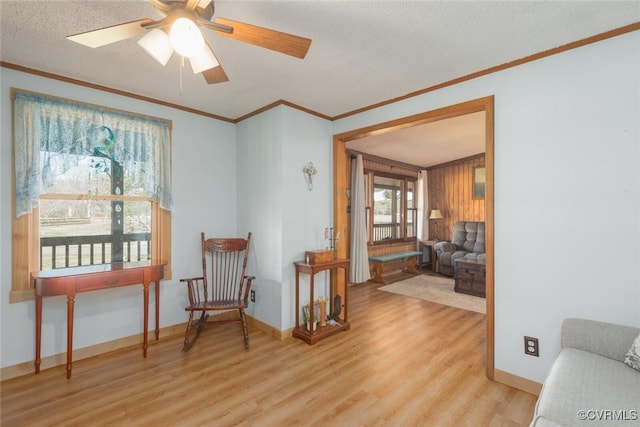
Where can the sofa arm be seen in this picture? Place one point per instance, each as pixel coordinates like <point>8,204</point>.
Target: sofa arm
<point>605,339</point>
<point>444,246</point>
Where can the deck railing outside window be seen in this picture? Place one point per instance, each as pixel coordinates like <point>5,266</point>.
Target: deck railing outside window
<point>72,251</point>
<point>388,231</point>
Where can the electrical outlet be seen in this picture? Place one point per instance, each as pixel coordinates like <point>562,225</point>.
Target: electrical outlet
<point>253,296</point>
<point>531,346</point>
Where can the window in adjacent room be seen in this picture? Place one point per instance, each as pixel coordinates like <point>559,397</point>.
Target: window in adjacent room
<point>92,186</point>
<point>391,207</point>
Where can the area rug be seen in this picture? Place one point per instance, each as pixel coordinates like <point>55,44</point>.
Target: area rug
<point>436,289</point>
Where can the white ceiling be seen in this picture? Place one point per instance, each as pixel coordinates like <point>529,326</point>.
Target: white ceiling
<point>363,52</point>
<point>429,144</point>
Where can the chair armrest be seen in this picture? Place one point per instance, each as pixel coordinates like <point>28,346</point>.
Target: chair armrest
<point>445,247</point>
<point>193,284</point>
<point>249,279</point>
<point>605,339</point>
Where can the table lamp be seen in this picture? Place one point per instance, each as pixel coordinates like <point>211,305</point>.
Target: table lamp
<point>435,215</point>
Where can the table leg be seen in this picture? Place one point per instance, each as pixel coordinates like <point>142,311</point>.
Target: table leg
<point>434,260</point>
<point>411,265</point>
<point>146,317</point>
<point>38,330</point>
<point>332,292</point>
<point>298,299</point>
<point>70,306</point>
<point>312,306</point>
<point>346,289</point>
<point>157,310</point>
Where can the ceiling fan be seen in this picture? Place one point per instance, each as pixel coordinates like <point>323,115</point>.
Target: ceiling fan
<point>179,31</point>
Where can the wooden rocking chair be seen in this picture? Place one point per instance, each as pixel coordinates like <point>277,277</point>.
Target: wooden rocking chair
<point>222,287</point>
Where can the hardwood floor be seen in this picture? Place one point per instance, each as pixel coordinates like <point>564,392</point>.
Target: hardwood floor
<point>405,362</point>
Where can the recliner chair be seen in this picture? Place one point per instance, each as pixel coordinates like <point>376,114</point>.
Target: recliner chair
<point>467,242</point>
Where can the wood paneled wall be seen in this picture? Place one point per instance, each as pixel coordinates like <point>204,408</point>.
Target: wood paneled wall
<point>450,190</point>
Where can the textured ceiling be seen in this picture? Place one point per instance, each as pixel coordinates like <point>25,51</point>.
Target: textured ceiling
<point>362,53</point>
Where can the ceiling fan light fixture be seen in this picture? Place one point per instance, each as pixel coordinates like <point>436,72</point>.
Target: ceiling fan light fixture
<point>157,44</point>
<point>180,30</point>
<point>203,60</point>
<point>186,37</point>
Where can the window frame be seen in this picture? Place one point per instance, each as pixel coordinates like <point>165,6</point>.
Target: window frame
<point>404,209</point>
<point>25,231</point>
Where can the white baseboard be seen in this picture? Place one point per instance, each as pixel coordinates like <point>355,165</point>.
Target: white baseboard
<point>518,382</point>
<point>26,368</point>
<point>270,330</point>
<point>85,352</point>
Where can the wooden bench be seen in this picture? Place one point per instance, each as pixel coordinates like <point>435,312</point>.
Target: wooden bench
<point>410,259</point>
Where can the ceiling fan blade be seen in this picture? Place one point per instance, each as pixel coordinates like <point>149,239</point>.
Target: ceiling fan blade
<point>215,75</point>
<point>108,35</point>
<point>204,60</point>
<point>269,39</point>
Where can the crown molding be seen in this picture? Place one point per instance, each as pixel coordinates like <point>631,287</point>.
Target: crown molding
<point>83,83</point>
<point>569,46</point>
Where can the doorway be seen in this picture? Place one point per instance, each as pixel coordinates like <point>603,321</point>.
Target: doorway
<point>341,175</point>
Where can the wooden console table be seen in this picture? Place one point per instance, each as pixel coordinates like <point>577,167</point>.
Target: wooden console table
<point>69,281</point>
<point>301,331</point>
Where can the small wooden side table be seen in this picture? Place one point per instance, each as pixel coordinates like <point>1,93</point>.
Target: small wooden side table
<point>300,330</point>
<point>432,252</point>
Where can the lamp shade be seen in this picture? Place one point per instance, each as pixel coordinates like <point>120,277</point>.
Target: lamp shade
<point>436,214</point>
<point>157,44</point>
<point>203,60</point>
<point>186,37</point>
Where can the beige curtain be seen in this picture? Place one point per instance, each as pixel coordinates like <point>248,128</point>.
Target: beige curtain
<point>359,268</point>
<point>423,206</point>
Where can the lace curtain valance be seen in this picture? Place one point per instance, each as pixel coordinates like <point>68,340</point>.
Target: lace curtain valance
<point>51,135</point>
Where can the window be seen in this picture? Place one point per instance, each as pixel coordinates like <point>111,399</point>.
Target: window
<point>391,207</point>
<point>92,186</point>
<point>87,218</point>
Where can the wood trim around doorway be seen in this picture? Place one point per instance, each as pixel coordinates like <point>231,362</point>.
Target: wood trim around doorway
<point>341,179</point>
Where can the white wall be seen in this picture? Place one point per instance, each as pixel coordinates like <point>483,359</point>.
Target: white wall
<point>567,168</point>
<point>285,218</point>
<point>567,191</point>
<point>305,139</point>
<point>260,207</point>
<point>204,188</point>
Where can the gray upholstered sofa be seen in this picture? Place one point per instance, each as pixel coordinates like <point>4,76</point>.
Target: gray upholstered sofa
<point>589,384</point>
<point>467,242</point>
